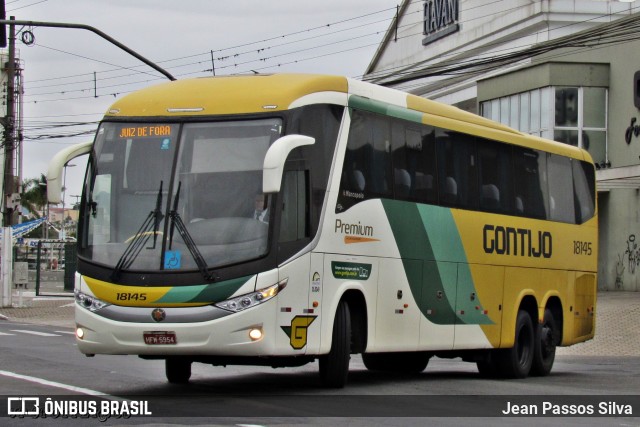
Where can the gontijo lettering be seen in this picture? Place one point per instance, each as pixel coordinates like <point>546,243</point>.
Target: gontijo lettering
<point>500,240</point>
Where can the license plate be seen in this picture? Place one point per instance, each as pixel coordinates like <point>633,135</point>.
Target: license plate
<point>160,338</point>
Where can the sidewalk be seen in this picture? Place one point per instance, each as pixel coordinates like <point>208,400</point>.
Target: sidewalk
<point>617,327</point>
<point>617,321</point>
<point>49,310</point>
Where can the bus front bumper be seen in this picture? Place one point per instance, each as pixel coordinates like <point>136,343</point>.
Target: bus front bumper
<point>250,332</point>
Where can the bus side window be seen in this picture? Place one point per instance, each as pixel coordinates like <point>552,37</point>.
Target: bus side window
<point>457,169</point>
<point>366,173</point>
<point>583,186</point>
<point>379,167</point>
<point>559,170</point>
<point>530,185</point>
<point>494,164</point>
<point>413,156</point>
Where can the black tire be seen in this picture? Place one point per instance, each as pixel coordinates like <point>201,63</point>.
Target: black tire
<point>178,370</point>
<point>546,340</point>
<point>334,367</point>
<point>516,362</point>
<point>412,362</point>
<point>487,367</point>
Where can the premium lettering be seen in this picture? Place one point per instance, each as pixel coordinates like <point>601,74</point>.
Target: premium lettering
<point>357,229</point>
<point>501,240</point>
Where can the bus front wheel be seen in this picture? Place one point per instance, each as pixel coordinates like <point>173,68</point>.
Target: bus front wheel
<point>334,367</point>
<point>545,345</point>
<point>178,370</point>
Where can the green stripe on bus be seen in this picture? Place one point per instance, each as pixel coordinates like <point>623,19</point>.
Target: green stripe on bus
<point>214,292</point>
<point>446,242</point>
<point>361,103</point>
<point>429,233</point>
<point>426,283</point>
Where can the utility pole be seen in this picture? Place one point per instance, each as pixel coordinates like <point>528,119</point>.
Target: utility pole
<point>9,122</point>
<point>10,189</point>
<point>93,30</point>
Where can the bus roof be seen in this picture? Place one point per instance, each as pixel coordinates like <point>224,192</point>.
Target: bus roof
<point>225,95</point>
<point>247,94</point>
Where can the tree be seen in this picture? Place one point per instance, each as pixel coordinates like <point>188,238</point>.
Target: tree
<point>34,195</point>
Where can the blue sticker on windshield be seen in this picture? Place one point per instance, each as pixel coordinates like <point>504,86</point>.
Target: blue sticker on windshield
<point>166,144</point>
<point>172,260</point>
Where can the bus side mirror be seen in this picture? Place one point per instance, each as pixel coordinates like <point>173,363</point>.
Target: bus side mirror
<point>56,165</point>
<point>276,157</point>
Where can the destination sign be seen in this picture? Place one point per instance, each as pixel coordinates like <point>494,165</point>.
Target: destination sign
<point>145,131</point>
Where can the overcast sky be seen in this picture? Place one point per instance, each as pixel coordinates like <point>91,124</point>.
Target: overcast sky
<point>330,36</point>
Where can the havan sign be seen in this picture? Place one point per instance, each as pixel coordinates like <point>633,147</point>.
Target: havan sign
<point>440,19</point>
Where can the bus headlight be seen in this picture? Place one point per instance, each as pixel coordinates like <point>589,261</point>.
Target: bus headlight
<point>246,301</point>
<point>88,302</point>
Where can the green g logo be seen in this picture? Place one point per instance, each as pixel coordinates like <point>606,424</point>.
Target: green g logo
<point>297,332</point>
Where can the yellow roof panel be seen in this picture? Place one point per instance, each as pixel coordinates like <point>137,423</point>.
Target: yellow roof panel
<point>224,95</point>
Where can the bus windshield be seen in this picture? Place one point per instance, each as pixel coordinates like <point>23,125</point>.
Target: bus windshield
<point>177,196</point>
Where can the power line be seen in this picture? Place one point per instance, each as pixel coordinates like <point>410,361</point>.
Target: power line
<point>263,59</point>
<point>25,6</point>
<point>207,53</point>
<point>446,67</point>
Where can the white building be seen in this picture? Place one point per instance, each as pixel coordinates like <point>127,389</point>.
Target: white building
<point>567,70</point>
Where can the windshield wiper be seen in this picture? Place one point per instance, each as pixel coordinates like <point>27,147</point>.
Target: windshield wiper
<point>178,224</point>
<point>150,226</point>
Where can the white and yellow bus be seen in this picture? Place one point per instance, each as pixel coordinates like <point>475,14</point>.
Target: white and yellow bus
<point>281,219</point>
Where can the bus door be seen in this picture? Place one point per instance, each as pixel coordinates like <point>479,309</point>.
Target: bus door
<point>296,319</point>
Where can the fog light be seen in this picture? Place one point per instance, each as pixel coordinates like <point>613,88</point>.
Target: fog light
<point>80,333</point>
<point>255,334</point>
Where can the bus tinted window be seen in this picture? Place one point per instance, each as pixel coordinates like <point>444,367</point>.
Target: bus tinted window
<point>561,205</point>
<point>414,163</point>
<point>393,158</point>
<point>380,141</point>
<point>494,167</point>
<point>321,122</point>
<point>530,183</point>
<point>583,186</point>
<point>367,160</point>
<point>457,172</point>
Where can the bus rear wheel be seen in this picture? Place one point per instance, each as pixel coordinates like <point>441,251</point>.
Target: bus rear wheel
<point>334,367</point>
<point>545,345</point>
<point>412,362</point>
<point>516,362</point>
<point>178,370</point>
<point>488,366</point>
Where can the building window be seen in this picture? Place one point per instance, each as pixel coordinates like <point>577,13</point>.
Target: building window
<point>579,115</point>
<point>581,119</point>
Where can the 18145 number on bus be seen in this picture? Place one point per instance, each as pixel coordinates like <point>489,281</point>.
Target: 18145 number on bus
<point>128,296</point>
<point>582,248</point>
